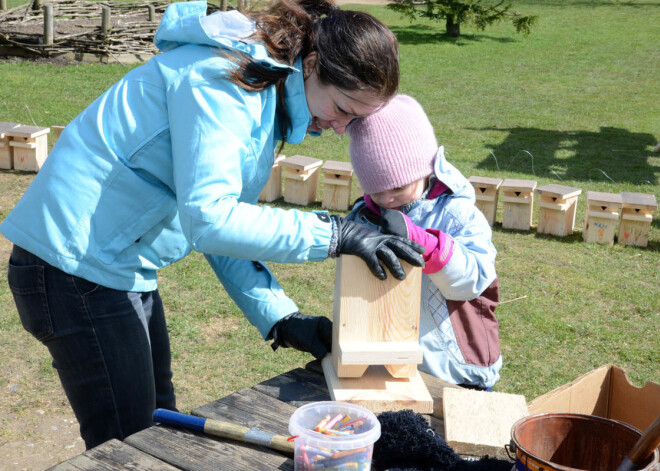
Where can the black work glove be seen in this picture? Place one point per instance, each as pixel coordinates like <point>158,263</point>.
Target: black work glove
<point>374,247</point>
<point>311,334</point>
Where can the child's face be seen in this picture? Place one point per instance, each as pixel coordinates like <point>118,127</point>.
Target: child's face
<point>397,197</point>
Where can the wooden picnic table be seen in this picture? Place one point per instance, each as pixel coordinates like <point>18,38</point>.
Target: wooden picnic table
<point>267,406</point>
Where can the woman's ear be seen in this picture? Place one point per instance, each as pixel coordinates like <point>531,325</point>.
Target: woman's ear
<point>309,64</point>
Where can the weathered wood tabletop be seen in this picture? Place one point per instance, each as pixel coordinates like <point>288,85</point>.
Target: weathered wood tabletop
<point>267,405</point>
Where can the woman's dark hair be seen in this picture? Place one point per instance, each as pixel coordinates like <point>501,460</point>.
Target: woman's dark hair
<point>355,50</point>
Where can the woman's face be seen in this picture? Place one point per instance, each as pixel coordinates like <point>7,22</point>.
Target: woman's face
<point>397,197</point>
<point>333,107</point>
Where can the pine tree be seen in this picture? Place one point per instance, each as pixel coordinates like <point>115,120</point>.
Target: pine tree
<point>456,12</point>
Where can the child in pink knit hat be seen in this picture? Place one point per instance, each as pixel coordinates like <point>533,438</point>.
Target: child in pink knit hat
<point>412,191</point>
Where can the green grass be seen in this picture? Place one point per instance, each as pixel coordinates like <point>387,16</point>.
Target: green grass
<point>575,103</point>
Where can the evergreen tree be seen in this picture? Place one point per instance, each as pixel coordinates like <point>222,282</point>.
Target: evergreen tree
<point>456,12</point>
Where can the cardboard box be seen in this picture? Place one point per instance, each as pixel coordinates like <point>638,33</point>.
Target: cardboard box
<point>604,392</point>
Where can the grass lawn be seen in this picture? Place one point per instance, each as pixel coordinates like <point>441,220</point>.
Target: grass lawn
<point>575,103</point>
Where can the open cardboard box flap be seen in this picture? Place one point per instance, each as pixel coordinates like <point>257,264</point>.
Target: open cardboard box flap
<point>604,392</point>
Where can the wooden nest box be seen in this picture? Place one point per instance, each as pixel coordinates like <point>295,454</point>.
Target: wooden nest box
<point>273,188</point>
<point>301,177</point>
<point>557,209</point>
<point>6,151</point>
<point>601,216</point>
<point>30,147</point>
<point>375,340</point>
<point>337,181</point>
<point>486,192</point>
<point>517,203</point>
<point>636,217</point>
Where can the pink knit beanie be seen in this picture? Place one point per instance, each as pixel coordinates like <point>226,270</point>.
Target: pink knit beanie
<point>393,147</point>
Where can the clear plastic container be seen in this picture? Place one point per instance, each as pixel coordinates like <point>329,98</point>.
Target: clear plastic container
<point>333,448</point>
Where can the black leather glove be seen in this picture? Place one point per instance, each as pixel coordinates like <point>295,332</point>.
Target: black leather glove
<point>311,334</point>
<point>374,247</point>
<point>394,222</point>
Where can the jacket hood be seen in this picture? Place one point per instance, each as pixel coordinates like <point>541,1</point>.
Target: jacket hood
<point>451,176</point>
<point>187,23</point>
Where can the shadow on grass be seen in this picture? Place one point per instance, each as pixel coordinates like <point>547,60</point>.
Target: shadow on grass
<point>610,154</point>
<point>425,34</point>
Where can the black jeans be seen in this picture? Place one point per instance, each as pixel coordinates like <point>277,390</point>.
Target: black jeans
<point>110,348</point>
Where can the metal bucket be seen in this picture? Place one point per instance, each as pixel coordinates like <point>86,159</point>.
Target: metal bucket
<point>573,442</point>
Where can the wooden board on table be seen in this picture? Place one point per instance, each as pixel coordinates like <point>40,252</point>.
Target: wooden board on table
<point>113,455</point>
<point>378,391</point>
<point>191,451</point>
<point>478,422</point>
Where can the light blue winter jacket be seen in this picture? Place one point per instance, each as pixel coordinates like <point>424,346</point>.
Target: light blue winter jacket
<point>469,272</point>
<point>172,159</point>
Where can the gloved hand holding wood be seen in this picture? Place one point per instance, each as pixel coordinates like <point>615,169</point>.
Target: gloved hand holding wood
<point>374,247</point>
<point>312,334</point>
<point>438,246</point>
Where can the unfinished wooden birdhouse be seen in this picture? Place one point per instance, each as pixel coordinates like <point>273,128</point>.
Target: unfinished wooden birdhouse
<point>557,209</point>
<point>375,340</point>
<point>636,216</point>
<point>30,146</point>
<point>301,178</point>
<point>337,181</point>
<point>601,217</point>
<point>517,203</point>
<point>273,188</point>
<point>486,192</point>
<point>6,151</point>
<point>58,128</point>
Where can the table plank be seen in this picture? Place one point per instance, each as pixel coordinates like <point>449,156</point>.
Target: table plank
<point>113,455</point>
<point>297,387</point>
<point>192,451</point>
<point>250,408</point>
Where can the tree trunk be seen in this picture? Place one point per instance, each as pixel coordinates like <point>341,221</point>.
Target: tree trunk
<point>453,29</point>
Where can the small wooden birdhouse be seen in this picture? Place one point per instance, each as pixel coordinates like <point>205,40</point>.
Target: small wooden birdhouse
<point>601,217</point>
<point>337,181</point>
<point>6,151</point>
<point>273,188</point>
<point>30,145</point>
<point>301,177</point>
<point>375,340</point>
<point>486,192</point>
<point>58,128</point>
<point>636,216</point>
<point>517,203</point>
<point>557,209</point>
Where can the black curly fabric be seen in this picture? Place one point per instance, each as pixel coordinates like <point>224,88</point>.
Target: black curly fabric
<point>408,443</point>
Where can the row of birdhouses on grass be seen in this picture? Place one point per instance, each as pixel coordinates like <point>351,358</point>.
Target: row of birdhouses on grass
<point>632,211</point>
<point>24,147</point>
<point>300,176</point>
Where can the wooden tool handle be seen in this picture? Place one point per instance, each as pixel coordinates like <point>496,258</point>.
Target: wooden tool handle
<point>648,442</point>
<point>222,429</point>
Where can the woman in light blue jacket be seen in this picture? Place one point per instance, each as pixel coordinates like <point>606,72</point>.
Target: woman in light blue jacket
<point>172,159</point>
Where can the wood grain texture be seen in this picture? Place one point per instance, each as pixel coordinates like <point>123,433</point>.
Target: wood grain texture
<point>196,452</point>
<point>479,423</point>
<point>378,391</point>
<point>113,455</point>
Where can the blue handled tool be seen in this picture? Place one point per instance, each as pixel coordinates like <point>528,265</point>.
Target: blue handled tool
<point>222,429</point>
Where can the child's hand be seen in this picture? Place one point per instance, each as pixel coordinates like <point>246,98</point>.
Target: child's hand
<point>438,246</point>
<point>396,223</point>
